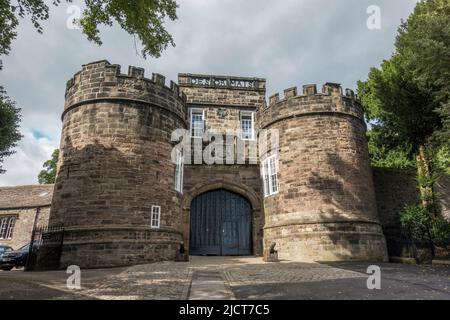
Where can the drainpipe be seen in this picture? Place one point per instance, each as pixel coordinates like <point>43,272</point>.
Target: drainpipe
<point>36,217</point>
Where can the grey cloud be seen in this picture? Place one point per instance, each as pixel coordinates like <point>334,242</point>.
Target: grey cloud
<point>290,42</point>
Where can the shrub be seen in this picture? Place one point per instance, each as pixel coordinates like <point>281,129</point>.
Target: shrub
<point>416,223</point>
<point>420,226</point>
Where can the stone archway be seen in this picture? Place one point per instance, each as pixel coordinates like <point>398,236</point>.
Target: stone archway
<point>221,224</point>
<point>239,189</point>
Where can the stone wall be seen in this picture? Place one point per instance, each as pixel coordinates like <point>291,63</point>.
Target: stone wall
<point>101,80</point>
<point>223,103</point>
<point>115,164</point>
<point>443,191</point>
<point>292,104</point>
<point>396,189</point>
<point>222,119</point>
<point>25,220</point>
<point>325,208</point>
<point>30,205</point>
<point>225,95</point>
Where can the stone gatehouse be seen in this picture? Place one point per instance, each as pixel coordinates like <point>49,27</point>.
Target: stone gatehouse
<point>210,165</point>
<point>134,184</point>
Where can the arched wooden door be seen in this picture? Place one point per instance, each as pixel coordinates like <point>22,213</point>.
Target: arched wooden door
<point>221,224</point>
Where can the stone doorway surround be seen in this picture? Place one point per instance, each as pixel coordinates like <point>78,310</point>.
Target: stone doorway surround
<point>240,189</point>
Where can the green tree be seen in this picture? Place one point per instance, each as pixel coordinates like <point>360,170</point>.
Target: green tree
<point>407,100</point>
<point>424,42</point>
<point>48,175</point>
<point>9,126</point>
<point>443,160</point>
<point>420,227</point>
<point>409,95</point>
<point>403,114</point>
<point>386,151</point>
<point>141,18</point>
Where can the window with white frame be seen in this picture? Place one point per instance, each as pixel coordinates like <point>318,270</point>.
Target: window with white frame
<point>156,217</point>
<point>197,123</point>
<point>247,126</point>
<point>7,227</point>
<point>269,172</point>
<point>179,171</point>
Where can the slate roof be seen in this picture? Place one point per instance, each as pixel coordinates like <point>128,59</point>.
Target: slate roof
<point>26,196</point>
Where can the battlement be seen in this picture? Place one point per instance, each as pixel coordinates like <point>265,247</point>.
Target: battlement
<point>328,89</point>
<point>102,80</point>
<point>291,103</point>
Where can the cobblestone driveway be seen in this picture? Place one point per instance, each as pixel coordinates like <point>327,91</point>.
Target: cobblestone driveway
<point>248,278</point>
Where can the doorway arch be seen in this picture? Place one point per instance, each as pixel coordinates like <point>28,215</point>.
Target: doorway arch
<point>220,224</point>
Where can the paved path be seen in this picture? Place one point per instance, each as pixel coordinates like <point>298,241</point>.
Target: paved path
<point>228,278</point>
<point>207,285</point>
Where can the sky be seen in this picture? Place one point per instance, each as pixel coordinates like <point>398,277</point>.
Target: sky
<point>288,42</point>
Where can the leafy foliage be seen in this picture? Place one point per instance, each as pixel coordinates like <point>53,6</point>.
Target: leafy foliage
<point>419,225</point>
<point>387,154</point>
<point>424,42</point>
<point>415,222</point>
<point>48,175</point>
<point>142,18</point>
<point>443,160</point>
<point>402,112</point>
<point>9,126</point>
<point>407,99</point>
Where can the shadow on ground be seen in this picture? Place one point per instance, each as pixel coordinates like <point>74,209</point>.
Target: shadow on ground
<point>248,277</point>
<point>342,281</point>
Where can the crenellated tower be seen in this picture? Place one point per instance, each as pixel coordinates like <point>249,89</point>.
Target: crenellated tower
<point>123,199</point>
<point>115,168</point>
<point>325,208</point>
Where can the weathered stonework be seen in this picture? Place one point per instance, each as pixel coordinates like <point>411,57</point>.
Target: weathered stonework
<point>395,189</point>
<point>222,106</point>
<point>325,209</point>
<point>244,180</point>
<point>30,205</point>
<point>224,96</point>
<point>115,164</point>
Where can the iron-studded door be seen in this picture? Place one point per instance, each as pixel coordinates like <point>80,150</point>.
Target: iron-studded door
<point>220,224</point>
